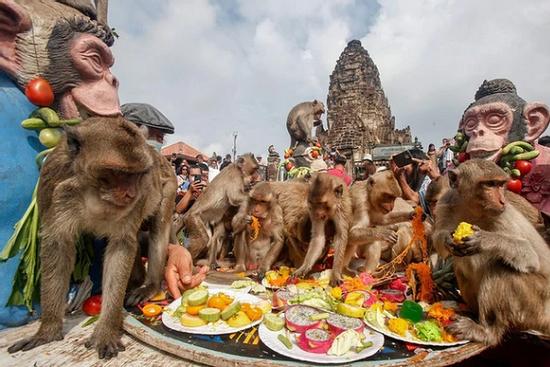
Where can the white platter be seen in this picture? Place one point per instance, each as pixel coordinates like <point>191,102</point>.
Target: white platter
<point>217,328</point>
<point>269,338</point>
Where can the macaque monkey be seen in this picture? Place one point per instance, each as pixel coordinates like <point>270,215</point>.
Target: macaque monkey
<point>301,120</point>
<point>503,269</point>
<point>105,180</point>
<point>373,212</point>
<point>258,250</point>
<point>227,189</point>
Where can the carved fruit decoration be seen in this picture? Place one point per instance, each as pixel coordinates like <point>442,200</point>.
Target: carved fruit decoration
<point>39,92</point>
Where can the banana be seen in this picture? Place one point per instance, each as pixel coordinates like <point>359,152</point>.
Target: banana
<point>520,143</point>
<point>33,123</point>
<point>46,114</point>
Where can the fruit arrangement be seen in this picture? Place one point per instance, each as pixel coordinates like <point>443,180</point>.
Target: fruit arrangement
<point>199,307</point>
<point>514,159</point>
<point>276,278</point>
<point>413,322</point>
<point>319,332</point>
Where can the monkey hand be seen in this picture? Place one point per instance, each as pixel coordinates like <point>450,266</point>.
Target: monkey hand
<point>471,245</point>
<point>462,328</point>
<point>302,271</point>
<point>388,235</point>
<point>43,336</point>
<point>143,293</point>
<point>106,341</point>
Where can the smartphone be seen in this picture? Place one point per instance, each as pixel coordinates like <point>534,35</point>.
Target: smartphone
<point>197,178</point>
<point>402,159</point>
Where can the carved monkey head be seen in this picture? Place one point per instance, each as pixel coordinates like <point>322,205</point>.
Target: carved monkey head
<point>382,190</point>
<point>325,195</point>
<point>248,165</point>
<point>480,184</point>
<point>260,200</point>
<point>110,158</point>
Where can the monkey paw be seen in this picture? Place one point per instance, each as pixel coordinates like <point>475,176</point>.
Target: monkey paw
<point>107,345</point>
<point>463,328</point>
<point>143,293</point>
<point>35,341</point>
<point>389,236</point>
<point>301,272</point>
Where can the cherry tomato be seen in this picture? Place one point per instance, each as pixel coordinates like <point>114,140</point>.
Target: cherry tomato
<point>514,185</point>
<point>463,157</point>
<point>524,167</point>
<point>39,92</point>
<point>92,306</point>
<point>289,166</point>
<point>151,310</point>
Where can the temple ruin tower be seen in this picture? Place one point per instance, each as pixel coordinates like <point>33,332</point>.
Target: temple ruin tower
<point>359,116</point>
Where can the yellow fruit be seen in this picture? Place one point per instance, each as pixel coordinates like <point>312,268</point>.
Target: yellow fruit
<point>336,292</point>
<point>398,326</point>
<point>238,320</point>
<point>463,230</point>
<point>355,298</point>
<point>191,321</point>
<point>350,310</point>
<point>160,296</point>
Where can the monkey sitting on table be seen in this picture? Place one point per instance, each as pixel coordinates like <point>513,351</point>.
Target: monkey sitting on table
<point>503,269</point>
<point>262,248</point>
<point>105,180</point>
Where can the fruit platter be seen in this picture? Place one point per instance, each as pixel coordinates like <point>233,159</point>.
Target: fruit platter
<point>214,311</point>
<point>310,334</point>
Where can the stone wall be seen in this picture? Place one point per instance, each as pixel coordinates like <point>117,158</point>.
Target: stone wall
<point>359,115</point>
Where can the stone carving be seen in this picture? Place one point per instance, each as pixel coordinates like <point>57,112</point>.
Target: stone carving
<point>358,111</point>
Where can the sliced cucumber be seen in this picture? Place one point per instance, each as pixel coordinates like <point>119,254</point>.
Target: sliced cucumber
<point>209,314</point>
<point>273,322</point>
<point>198,297</point>
<point>230,310</point>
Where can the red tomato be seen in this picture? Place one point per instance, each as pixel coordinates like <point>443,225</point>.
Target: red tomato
<point>514,185</point>
<point>463,157</point>
<point>92,306</point>
<point>289,166</point>
<point>524,167</point>
<point>314,154</point>
<point>39,92</point>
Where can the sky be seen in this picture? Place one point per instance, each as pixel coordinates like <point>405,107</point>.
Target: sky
<point>223,66</point>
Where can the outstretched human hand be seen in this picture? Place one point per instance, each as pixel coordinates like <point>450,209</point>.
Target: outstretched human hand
<point>179,274</point>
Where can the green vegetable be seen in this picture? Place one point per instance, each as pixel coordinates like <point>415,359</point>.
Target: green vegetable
<point>47,114</point>
<point>516,150</point>
<point>283,339</point>
<point>526,156</point>
<point>523,144</point>
<point>33,123</point>
<point>428,331</point>
<point>90,321</point>
<point>515,172</point>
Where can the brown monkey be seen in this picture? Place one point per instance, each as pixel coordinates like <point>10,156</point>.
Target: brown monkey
<point>105,180</point>
<point>301,119</point>
<point>227,189</point>
<point>373,210</point>
<point>503,269</point>
<point>252,248</point>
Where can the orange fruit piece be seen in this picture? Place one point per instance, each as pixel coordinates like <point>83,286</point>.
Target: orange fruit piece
<point>194,310</point>
<point>253,313</point>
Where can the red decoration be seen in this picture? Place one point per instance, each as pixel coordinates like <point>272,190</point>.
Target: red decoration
<point>39,92</point>
<point>514,185</point>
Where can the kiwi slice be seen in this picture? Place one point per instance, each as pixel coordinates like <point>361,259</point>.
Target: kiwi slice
<point>273,322</point>
<point>209,314</point>
<point>230,310</point>
<point>198,297</point>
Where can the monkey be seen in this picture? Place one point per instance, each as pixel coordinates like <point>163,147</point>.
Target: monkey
<point>227,189</point>
<point>221,236</point>
<point>301,120</point>
<point>503,268</point>
<point>105,180</point>
<point>373,210</point>
<point>252,253</point>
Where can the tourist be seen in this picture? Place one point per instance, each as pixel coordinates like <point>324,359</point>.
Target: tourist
<point>370,168</point>
<point>444,155</point>
<point>339,169</point>
<point>213,169</point>
<point>199,158</point>
<point>414,178</point>
<point>192,188</point>
<point>432,155</point>
<point>272,155</point>
<point>226,161</point>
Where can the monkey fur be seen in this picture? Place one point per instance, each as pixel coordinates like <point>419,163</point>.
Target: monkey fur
<point>105,180</point>
<point>301,120</point>
<point>503,269</point>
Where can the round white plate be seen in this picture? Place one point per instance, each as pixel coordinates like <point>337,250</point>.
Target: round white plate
<point>217,328</point>
<point>411,339</point>
<point>269,338</point>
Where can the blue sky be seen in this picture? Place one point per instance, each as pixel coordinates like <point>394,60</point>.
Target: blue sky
<point>214,67</point>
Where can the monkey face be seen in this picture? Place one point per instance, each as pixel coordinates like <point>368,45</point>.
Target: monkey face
<point>492,193</point>
<point>260,208</point>
<point>118,188</point>
<point>320,210</point>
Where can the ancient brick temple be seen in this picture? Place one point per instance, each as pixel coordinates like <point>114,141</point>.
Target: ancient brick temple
<point>359,116</point>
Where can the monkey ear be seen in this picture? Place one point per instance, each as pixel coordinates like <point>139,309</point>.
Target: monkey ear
<point>537,117</point>
<point>453,178</point>
<point>315,101</point>
<point>73,140</point>
<point>338,191</point>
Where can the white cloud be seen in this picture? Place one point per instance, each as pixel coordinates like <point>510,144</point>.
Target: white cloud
<point>222,66</point>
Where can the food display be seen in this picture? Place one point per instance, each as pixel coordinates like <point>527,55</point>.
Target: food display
<point>214,312</point>
<point>310,334</point>
<point>275,279</point>
<point>413,322</point>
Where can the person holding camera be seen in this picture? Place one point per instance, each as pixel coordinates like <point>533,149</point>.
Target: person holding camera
<point>192,188</point>
<point>444,155</point>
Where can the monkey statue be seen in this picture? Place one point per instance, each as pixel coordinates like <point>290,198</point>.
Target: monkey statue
<point>105,180</point>
<point>499,116</point>
<point>66,45</point>
<point>258,248</point>
<point>228,189</point>
<point>299,123</point>
<point>503,268</point>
